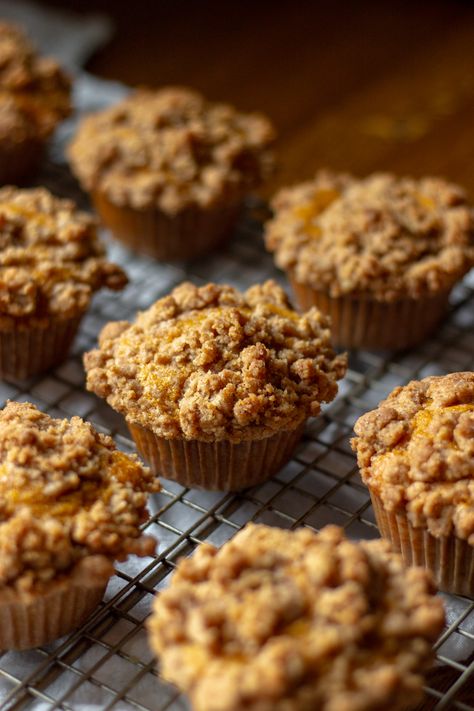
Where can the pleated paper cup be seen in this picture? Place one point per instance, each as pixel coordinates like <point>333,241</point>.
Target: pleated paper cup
<point>193,231</point>
<point>216,466</point>
<point>20,161</point>
<point>28,620</point>
<point>27,349</point>
<point>450,559</point>
<point>371,324</point>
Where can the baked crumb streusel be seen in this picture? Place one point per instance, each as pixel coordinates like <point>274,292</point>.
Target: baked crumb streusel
<point>296,621</point>
<point>66,494</point>
<point>210,363</point>
<point>416,451</point>
<point>34,91</point>
<point>383,236</point>
<point>51,260</point>
<point>170,149</point>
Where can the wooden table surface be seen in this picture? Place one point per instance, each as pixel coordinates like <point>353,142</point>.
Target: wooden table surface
<point>359,86</point>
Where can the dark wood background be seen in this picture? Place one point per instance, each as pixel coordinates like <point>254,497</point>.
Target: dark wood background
<point>362,86</point>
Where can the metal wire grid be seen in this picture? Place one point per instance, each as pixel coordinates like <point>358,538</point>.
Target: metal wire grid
<point>107,663</point>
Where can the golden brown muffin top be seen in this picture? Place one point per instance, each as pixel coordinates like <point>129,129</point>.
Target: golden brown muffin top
<point>211,363</point>
<point>51,260</point>
<point>66,494</point>
<point>171,148</point>
<point>281,620</point>
<point>34,91</point>
<point>382,236</point>
<point>416,451</point>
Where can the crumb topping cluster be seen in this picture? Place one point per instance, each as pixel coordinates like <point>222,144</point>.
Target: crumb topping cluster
<point>34,91</point>
<point>384,236</point>
<point>416,451</point>
<point>210,363</point>
<point>170,149</point>
<point>51,260</point>
<point>66,494</point>
<point>288,620</point>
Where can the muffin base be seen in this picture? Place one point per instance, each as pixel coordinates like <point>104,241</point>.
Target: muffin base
<point>29,620</point>
<point>29,349</point>
<point>20,161</point>
<point>450,559</point>
<point>191,232</point>
<point>216,466</point>
<point>371,324</point>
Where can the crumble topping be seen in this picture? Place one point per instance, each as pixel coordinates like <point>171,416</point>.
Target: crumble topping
<point>170,149</point>
<point>51,260</point>
<point>289,620</point>
<point>66,495</point>
<point>210,363</point>
<point>383,236</point>
<point>416,451</point>
<point>34,91</point>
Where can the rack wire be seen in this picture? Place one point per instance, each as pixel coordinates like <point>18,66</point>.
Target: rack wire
<point>107,664</point>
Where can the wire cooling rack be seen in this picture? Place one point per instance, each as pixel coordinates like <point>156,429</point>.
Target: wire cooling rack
<point>107,664</point>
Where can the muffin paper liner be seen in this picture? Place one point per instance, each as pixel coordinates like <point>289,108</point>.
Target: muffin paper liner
<point>368,323</point>
<point>29,350</point>
<point>217,466</point>
<point>20,161</point>
<point>450,558</point>
<point>31,620</point>
<point>191,232</point>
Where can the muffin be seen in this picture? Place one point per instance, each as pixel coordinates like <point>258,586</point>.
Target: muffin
<point>70,504</point>
<point>51,262</point>
<point>34,98</point>
<point>280,620</point>
<point>379,255</point>
<point>416,455</point>
<point>167,170</point>
<point>215,384</point>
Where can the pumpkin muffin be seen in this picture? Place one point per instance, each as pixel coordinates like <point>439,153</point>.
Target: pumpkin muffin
<point>51,263</point>
<point>380,255</point>
<point>416,455</point>
<point>167,170</point>
<point>70,504</point>
<point>34,98</point>
<point>215,384</point>
<point>281,620</point>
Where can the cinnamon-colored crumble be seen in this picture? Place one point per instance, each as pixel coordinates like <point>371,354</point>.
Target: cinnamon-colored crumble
<point>34,91</point>
<point>170,149</point>
<point>211,363</point>
<point>66,494</point>
<point>296,621</point>
<point>416,451</point>
<point>384,236</point>
<point>51,260</point>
